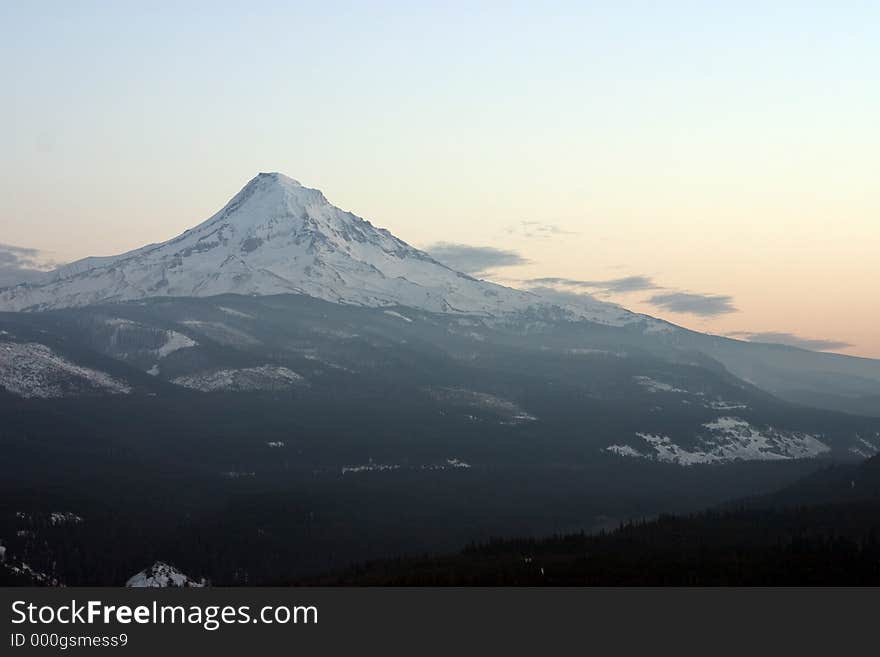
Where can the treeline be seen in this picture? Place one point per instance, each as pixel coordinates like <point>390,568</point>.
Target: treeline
<point>822,545</point>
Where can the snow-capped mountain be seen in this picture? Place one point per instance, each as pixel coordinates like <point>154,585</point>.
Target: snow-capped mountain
<point>162,575</point>
<point>278,237</point>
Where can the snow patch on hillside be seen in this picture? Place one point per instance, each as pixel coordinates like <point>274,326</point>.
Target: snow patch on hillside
<point>510,412</point>
<point>624,450</point>
<point>657,386</point>
<point>448,464</point>
<point>722,405</point>
<point>163,575</point>
<point>238,474</point>
<point>865,448</point>
<point>369,467</point>
<point>174,341</point>
<point>64,518</point>
<point>264,377</point>
<point>728,439</point>
<point>235,313</point>
<point>583,351</point>
<point>392,313</point>
<point>222,333</point>
<point>25,570</point>
<point>33,370</point>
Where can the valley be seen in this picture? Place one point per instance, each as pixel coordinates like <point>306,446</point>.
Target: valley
<point>286,390</point>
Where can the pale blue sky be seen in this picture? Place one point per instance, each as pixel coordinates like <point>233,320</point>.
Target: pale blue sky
<point>720,148</point>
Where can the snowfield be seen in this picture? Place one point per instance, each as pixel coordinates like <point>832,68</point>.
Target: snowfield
<point>727,439</point>
<point>264,377</point>
<point>33,370</point>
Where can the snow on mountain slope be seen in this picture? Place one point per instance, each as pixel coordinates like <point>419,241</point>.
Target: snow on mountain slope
<point>276,237</point>
<point>265,377</point>
<point>162,575</point>
<point>506,409</point>
<point>33,370</point>
<point>727,439</point>
<point>175,342</point>
<point>171,340</point>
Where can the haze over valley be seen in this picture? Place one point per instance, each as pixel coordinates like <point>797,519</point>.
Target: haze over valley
<point>439,294</point>
<point>296,390</point>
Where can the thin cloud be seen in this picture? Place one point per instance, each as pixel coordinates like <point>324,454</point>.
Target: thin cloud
<point>20,264</point>
<point>792,340</point>
<point>556,295</point>
<point>537,229</point>
<point>609,286</point>
<point>474,259</point>
<point>19,255</point>
<point>692,303</point>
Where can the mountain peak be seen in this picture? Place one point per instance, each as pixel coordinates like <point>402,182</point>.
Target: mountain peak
<point>276,236</point>
<point>277,187</point>
<point>278,176</point>
<point>274,178</point>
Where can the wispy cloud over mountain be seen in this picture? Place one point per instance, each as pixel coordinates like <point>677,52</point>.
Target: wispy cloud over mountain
<point>676,301</point>
<point>474,259</point>
<point>610,286</point>
<point>537,229</point>
<point>21,264</point>
<point>792,340</point>
<point>560,295</point>
<point>692,303</point>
